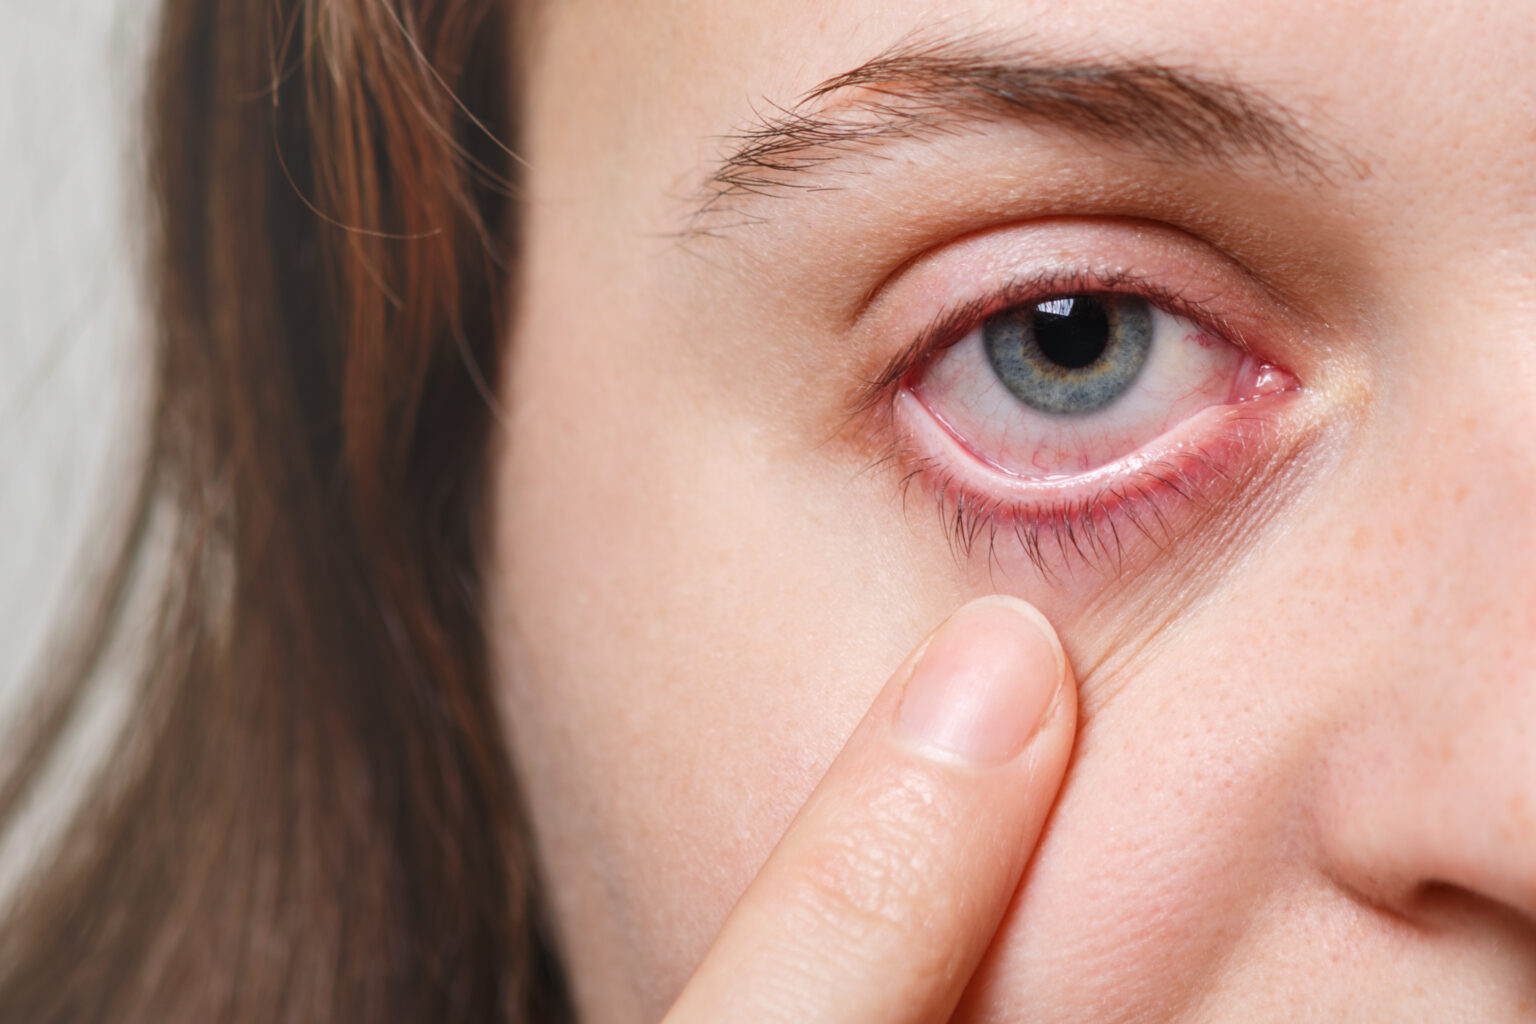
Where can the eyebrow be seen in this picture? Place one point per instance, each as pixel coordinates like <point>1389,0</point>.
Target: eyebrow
<point>919,91</point>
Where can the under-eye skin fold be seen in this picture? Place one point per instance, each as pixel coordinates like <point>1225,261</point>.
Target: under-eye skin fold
<point>1073,417</point>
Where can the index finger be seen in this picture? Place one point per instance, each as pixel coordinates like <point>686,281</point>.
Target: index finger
<point>880,899</point>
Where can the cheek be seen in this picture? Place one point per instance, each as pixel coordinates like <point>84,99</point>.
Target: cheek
<point>1171,826</point>
<point>1181,839</point>
<point>691,614</point>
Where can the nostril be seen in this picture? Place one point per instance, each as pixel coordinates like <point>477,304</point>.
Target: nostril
<point>1474,928</point>
<point>1440,906</point>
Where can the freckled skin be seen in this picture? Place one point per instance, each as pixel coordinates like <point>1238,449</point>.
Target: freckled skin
<point>1303,787</point>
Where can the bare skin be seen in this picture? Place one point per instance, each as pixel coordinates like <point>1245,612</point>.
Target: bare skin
<point>881,898</point>
<point>1302,782</point>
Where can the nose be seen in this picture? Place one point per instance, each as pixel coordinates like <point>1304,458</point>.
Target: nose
<point>1428,791</point>
<point>1436,797</point>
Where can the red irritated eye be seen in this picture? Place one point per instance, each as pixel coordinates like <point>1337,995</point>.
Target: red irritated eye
<point>1058,388</point>
<point>1057,420</point>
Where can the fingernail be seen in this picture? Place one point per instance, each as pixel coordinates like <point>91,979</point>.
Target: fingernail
<point>983,684</point>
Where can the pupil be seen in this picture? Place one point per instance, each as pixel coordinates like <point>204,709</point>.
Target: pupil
<point>1071,332</point>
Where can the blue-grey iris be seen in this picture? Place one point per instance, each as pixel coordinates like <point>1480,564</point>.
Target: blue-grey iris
<point>1070,355</point>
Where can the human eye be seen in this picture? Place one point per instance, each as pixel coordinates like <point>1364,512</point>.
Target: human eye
<point>1060,387</point>
<point>1075,409</point>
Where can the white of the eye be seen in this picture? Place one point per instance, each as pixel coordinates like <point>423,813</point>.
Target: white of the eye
<point>1182,375</point>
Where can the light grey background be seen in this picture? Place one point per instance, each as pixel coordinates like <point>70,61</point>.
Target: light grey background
<point>71,323</point>
<point>72,362</point>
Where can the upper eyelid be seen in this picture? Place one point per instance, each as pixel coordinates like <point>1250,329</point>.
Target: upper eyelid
<point>1121,266</point>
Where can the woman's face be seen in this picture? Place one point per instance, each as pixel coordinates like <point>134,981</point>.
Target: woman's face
<point>791,382</point>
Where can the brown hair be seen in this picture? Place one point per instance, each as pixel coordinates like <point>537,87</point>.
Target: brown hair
<point>312,815</point>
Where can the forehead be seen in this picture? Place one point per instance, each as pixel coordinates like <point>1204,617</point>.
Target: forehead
<point>1444,95</point>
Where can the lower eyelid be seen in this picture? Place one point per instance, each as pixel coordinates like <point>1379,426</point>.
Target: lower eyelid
<point>1149,497</point>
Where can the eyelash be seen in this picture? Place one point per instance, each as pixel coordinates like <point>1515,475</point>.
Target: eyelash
<point>1087,528</point>
<point>951,327</point>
